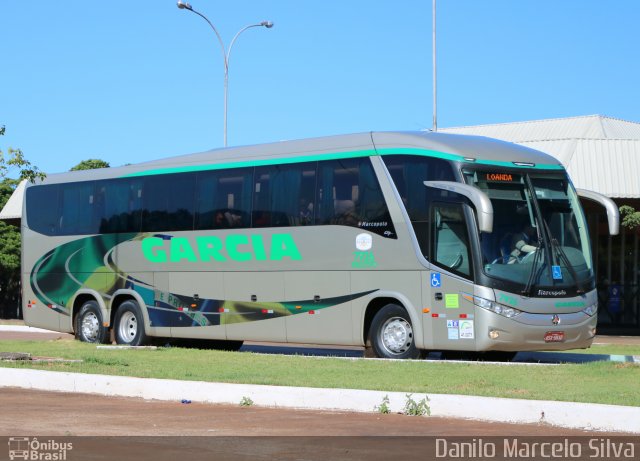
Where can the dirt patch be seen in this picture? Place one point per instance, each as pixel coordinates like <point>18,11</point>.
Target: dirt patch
<point>29,412</point>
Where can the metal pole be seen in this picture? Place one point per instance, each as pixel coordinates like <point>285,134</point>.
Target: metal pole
<point>225,54</point>
<point>435,85</point>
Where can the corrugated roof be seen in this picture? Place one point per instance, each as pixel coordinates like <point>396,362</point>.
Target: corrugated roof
<point>600,153</point>
<point>607,166</point>
<point>13,208</point>
<point>585,127</point>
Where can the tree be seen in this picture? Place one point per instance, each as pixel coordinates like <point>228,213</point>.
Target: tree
<point>9,258</point>
<point>16,159</point>
<point>10,235</point>
<point>90,164</point>
<point>630,217</point>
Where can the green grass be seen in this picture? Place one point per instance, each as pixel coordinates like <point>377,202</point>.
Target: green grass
<point>609,349</point>
<point>599,382</point>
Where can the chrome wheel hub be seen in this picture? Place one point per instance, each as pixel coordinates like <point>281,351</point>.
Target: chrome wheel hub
<point>90,327</point>
<point>397,335</point>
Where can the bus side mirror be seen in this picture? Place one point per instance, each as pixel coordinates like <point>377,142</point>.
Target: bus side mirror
<point>477,197</point>
<point>613,214</point>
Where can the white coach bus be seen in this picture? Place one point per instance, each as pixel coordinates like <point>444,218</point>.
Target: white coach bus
<point>399,241</point>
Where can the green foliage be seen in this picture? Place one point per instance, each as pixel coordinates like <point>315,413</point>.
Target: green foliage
<point>413,408</point>
<point>90,164</point>
<point>384,406</point>
<point>10,235</point>
<point>630,217</point>
<point>9,258</point>
<point>15,159</point>
<point>246,402</point>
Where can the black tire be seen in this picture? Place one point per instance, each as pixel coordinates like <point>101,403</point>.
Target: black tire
<point>89,324</point>
<point>129,325</point>
<point>391,334</point>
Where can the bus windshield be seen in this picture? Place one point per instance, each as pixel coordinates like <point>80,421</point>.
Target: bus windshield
<point>539,239</point>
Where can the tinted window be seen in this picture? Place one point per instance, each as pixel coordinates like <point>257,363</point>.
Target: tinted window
<point>78,202</point>
<point>283,195</point>
<point>42,209</point>
<point>168,202</point>
<point>118,205</point>
<point>349,194</point>
<point>223,199</point>
<point>409,173</point>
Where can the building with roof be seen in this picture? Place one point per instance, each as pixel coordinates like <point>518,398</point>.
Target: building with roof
<point>601,154</point>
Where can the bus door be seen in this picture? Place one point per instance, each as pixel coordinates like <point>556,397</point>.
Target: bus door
<point>450,323</point>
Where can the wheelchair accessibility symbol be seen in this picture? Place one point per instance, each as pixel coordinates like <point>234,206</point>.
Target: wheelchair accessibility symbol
<point>556,272</point>
<point>435,280</point>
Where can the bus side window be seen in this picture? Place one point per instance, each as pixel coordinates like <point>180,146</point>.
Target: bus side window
<point>77,205</point>
<point>281,195</point>
<point>223,199</point>
<point>43,212</point>
<point>349,194</point>
<point>450,240</point>
<point>120,205</point>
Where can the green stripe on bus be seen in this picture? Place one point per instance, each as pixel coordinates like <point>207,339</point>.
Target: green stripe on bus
<point>335,156</point>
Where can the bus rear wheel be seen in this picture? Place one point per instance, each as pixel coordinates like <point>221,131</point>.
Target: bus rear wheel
<point>129,325</point>
<point>89,325</point>
<point>391,334</point>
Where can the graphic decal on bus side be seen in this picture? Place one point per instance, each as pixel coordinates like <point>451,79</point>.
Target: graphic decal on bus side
<point>88,263</point>
<point>169,310</point>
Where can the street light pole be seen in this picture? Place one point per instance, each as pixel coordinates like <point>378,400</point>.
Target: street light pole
<point>435,74</point>
<point>226,53</point>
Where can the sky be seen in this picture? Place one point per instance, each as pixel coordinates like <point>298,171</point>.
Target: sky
<point>132,81</point>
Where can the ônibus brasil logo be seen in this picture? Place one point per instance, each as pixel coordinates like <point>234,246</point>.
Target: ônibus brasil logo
<point>34,449</point>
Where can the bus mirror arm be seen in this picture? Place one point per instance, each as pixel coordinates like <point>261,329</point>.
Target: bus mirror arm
<point>613,213</point>
<point>479,199</point>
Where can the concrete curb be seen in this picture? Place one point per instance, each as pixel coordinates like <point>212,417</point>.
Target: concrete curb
<point>565,414</point>
<point>25,329</point>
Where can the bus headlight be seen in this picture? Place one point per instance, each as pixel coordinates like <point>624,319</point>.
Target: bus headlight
<point>492,306</point>
<point>591,310</point>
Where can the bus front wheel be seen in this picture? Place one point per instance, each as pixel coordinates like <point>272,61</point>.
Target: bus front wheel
<point>391,334</point>
<point>89,325</point>
<point>129,325</point>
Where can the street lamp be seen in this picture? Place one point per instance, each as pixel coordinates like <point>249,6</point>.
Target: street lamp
<point>225,53</point>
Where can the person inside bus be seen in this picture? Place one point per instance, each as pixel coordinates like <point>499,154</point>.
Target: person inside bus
<point>523,243</point>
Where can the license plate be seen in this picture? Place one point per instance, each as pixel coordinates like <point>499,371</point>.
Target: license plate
<point>554,337</point>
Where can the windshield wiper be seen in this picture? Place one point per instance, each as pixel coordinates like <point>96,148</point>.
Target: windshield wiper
<point>559,253</point>
<point>533,276</point>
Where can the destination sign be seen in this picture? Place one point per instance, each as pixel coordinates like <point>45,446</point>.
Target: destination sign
<point>501,177</point>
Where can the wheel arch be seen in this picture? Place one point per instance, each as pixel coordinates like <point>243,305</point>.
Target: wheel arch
<point>120,297</point>
<point>82,297</point>
<point>383,299</point>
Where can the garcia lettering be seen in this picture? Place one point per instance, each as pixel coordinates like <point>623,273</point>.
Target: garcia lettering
<point>209,248</point>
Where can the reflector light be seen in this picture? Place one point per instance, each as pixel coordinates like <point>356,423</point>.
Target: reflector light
<point>312,312</point>
<point>434,315</point>
<point>463,316</point>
